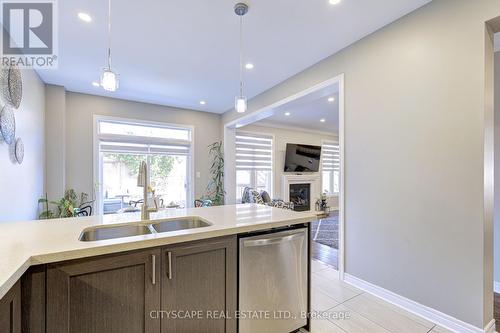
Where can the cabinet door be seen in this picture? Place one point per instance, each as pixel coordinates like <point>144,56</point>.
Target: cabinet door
<point>112,294</point>
<point>200,277</point>
<point>10,310</point>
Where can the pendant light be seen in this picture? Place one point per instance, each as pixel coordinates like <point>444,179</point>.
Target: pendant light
<point>109,78</point>
<point>240,103</point>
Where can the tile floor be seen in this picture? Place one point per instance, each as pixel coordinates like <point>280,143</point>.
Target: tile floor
<point>344,308</point>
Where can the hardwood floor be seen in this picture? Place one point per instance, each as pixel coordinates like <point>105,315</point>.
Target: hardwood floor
<point>325,254</point>
<point>497,310</point>
<point>325,239</point>
<point>326,230</point>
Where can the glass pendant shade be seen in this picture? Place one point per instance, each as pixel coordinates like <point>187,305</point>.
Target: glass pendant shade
<point>240,104</point>
<point>109,80</point>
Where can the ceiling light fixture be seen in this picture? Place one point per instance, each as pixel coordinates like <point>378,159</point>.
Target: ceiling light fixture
<point>85,17</point>
<point>240,102</point>
<point>249,66</point>
<point>109,78</point>
<point>331,99</point>
<point>96,84</point>
<point>322,120</point>
<point>287,114</point>
<point>203,102</point>
<point>334,2</point>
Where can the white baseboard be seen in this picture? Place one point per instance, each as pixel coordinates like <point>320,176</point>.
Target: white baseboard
<point>496,287</point>
<point>423,311</point>
<point>490,328</point>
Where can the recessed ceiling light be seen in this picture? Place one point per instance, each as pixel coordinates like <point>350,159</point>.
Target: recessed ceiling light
<point>331,99</point>
<point>334,2</point>
<point>95,84</point>
<point>203,102</point>
<point>322,120</point>
<point>249,66</point>
<point>287,114</point>
<point>85,17</point>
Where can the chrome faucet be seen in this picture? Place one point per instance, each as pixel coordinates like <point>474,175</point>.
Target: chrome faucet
<point>142,181</point>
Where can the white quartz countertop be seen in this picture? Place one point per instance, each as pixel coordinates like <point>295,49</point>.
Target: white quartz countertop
<point>28,243</point>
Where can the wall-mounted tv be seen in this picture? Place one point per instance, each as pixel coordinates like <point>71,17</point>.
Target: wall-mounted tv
<point>302,158</point>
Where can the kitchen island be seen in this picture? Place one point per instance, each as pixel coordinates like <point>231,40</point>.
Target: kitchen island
<point>47,272</point>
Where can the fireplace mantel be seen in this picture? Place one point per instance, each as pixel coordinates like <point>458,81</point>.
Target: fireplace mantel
<point>308,178</point>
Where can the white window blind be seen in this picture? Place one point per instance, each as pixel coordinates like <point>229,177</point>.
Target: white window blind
<point>330,152</point>
<point>140,148</point>
<point>254,162</point>
<point>142,138</point>
<point>254,151</point>
<point>143,130</point>
<point>330,167</point>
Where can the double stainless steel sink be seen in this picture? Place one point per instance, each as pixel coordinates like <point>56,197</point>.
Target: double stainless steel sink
<point>141,228</point>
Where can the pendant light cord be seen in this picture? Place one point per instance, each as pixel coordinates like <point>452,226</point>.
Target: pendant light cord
<point>241,55</point>
<point>109,34</point>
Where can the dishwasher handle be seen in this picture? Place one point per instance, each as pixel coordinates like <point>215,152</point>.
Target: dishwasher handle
<point>274,240</point>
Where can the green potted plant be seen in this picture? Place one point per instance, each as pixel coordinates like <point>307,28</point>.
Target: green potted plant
<point>67,206</point>
<point>215,188</point>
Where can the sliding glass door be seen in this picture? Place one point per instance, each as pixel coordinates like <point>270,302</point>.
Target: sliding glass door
<point>122,146</point>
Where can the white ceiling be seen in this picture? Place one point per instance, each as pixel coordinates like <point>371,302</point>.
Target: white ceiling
<point>179,52</point>
<point>307,111</point>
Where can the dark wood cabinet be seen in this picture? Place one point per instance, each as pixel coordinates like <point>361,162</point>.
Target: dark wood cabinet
<point>112,294</point>
<point>131,292</point>
<point>33,299</point>
<point>200,278</point>
<point>10,310</point>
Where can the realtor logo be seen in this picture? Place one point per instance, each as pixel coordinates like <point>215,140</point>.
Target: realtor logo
<point>29,38</point>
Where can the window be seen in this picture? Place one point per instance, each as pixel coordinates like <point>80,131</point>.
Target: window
<point>330,167</point>
<point>122,146</point>
<point>254,162</point>
<point>150,131</point>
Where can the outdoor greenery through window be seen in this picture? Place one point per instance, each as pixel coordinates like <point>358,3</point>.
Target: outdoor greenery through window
<point>122,148</point>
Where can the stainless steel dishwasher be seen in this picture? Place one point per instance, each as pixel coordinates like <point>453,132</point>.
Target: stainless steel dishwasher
<point>273,282</point>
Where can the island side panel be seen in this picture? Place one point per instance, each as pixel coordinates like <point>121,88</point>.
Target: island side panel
<point>33,289</point>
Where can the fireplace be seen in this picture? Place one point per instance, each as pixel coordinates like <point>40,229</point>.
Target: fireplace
<point>300,195</point>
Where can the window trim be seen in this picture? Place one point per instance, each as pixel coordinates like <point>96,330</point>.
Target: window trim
<point>273,155</point>
<point>97,162</point>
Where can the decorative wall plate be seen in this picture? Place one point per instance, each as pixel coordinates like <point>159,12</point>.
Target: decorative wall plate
<point>19,152</point>
<point>12,86</point>
<point>8,124</point>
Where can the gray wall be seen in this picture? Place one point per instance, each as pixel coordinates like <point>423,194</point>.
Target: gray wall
<point>55,133</point>
<point>22,185</point>
<point>416,217</point>
<point>81,108</point>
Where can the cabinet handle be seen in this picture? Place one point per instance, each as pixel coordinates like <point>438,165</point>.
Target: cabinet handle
<point>169,254</point>
<point>153,258</point>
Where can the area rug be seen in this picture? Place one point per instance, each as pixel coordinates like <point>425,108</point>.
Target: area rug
<point>326,231</point>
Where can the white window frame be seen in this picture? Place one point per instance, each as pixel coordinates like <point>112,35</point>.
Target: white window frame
<point>273,162</point>
<point>97,159</point>
<point>333,194</point>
